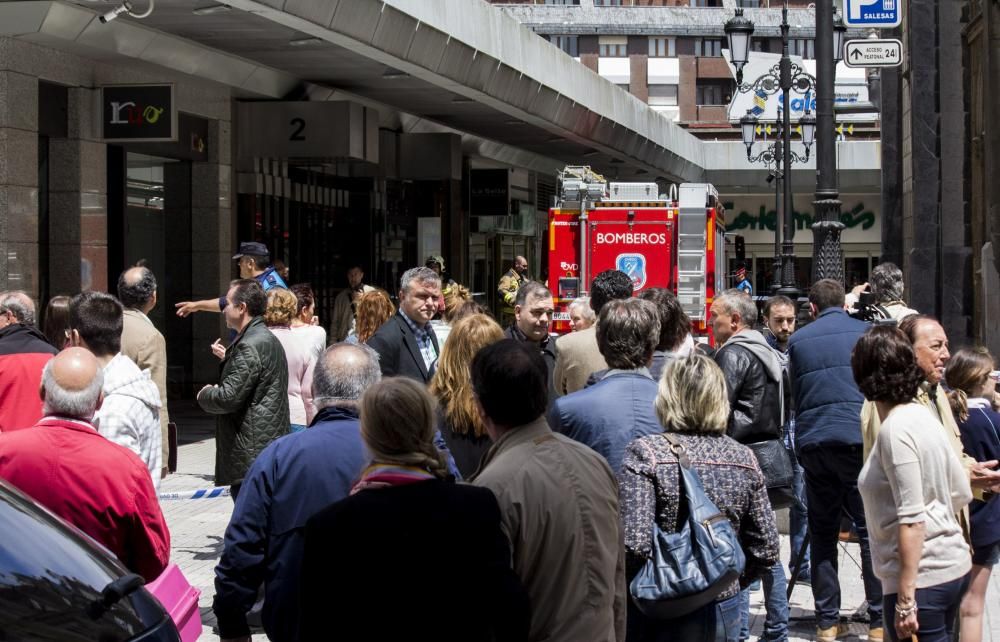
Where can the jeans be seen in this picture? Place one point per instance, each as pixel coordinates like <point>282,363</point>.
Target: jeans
<point>832,487</point>
<point>937,610</point>
<point>775,605</point>
<point>798,525</point>
<point>715,622</point>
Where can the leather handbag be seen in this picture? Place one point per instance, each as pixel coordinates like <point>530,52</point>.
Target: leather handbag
<point>690,568</point>
<point>775,462</point>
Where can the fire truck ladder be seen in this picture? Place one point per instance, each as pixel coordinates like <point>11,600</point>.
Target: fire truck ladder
<point>691,249</point>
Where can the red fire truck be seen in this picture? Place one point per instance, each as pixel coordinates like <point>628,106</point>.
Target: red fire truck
<point>675,241</point>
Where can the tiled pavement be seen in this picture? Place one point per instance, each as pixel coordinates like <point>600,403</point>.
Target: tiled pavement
<point>197,526</point>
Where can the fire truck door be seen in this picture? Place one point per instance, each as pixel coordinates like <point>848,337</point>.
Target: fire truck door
<point>643,249</point>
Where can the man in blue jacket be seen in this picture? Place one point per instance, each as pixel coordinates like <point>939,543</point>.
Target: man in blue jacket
<point>291,480</point>
<point>619,407</point>
<point>829,449</point>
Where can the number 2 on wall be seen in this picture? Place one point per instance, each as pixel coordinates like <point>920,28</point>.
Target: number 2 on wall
<point>300,125</point>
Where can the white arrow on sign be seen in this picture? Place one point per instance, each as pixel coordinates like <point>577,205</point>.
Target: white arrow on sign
<point>873,53</point>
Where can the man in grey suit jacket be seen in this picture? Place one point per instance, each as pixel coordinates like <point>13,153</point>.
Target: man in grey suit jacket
<point>406,344</point>
<point>141,341</point>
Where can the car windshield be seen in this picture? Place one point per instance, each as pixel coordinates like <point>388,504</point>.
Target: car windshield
<point>50,573</point>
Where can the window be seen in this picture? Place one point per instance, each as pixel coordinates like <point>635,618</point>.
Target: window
<point>622,86</point>
<point>663,95</point>
<point>706,3</point>
<point>561,2</point>
<point>802,47</point>
<point>749,4</point>
<point>613,46</point>
<point>607,3</point>
<point>662,47</point>
<point>569,44</point>
<point>707,47</point>
<point>712,93</point>
<point>761,44</point>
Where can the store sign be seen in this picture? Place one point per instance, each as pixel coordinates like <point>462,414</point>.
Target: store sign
<point>331,130</point>
<point>138,113</point>
<point>489,192</point>
<point>753,217</point>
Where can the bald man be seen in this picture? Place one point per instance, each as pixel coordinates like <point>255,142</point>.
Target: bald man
<point>64,464</point>
<point>142,342</point>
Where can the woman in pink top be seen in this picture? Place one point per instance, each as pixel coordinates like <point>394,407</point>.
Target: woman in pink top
<point>300,354</point>
<point>305,321</point>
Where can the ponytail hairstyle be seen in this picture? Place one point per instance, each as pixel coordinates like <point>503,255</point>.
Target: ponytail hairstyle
<point>966,373</point>
<point>398,424</point>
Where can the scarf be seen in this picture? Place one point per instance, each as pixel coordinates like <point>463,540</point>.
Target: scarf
<point>387,475</point>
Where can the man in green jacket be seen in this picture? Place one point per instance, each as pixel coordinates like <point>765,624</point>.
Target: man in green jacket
<point>251,398</point>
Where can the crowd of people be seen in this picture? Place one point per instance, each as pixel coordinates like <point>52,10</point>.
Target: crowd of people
<point>548,486</point>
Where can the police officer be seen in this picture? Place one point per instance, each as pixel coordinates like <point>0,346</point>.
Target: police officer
<point>508,287</point>
<point>254,263</point>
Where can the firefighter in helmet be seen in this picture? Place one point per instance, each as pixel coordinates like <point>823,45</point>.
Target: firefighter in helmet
<point>510,282</point>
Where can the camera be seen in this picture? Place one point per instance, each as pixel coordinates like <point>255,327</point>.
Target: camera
<point>869,311</point>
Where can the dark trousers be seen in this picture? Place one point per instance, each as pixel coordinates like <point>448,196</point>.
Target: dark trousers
<point>832,487</point>
<point>937,610</point>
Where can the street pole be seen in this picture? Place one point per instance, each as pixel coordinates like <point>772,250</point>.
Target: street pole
<point>828,256</point>
<point>778,222</point>
<point>788,287</point>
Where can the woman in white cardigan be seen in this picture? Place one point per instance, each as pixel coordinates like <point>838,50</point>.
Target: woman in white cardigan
<point>912,484</point>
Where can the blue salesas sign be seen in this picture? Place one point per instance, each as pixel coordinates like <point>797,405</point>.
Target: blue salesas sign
<point>873,13</point>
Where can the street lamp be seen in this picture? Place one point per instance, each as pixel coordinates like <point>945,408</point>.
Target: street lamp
<point>828,255</point>
<point>839,31</point>
<point>771,157</point>
<point>783,77</point>
<point>738,32</point>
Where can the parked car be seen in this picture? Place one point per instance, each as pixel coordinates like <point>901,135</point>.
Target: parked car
<point>57,584</point>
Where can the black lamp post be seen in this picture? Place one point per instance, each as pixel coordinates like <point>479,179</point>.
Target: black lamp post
<point>784,77</point>
<point>771,157</point>
<point>828,256</point>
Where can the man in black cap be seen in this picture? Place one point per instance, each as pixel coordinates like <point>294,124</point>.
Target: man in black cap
<point>255,263</point>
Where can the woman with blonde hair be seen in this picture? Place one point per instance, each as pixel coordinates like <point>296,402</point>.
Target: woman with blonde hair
<point>457,416</point>
<point>408,525</point>
<point>691,403</point>
<point>300,355</point>
<point>971,376</point>
<point>373,309</point>
<point>456,297</point>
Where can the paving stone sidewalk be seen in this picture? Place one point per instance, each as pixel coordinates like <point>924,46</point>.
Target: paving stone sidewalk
<point>197,527</point>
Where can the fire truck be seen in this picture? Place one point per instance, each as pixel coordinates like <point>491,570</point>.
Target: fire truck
<point>674,241</point>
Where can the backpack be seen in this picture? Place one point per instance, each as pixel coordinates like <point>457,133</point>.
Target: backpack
<point>690,568</point>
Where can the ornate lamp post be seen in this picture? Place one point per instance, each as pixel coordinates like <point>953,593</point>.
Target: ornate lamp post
<point>783,77</point>
<point>828,256</point>
<point>771,157</point>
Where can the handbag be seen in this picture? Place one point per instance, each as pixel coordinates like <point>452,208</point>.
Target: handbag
<point>775,462</point>
<point>690,568</point>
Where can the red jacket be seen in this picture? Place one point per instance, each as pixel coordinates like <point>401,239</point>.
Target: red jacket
<point>98,486</point>
<point>23,354</point>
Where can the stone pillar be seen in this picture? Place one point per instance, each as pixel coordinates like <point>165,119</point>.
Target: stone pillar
<point>19,182</point>
<point>212,246</point>
<point>78,202</point>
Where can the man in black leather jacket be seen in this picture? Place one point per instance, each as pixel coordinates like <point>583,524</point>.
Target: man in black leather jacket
<point>757,398</point>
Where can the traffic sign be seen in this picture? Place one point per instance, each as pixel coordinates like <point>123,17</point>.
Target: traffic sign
<point>882,14</point>
<point>873,53</point>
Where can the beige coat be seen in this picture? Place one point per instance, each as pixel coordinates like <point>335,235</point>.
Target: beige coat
<point>143,344</point>
<point>579,357</point>
<point>559,505</point>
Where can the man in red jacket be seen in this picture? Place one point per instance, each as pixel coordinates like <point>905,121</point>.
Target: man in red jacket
<point>24,351</point>
<point>98,486</point>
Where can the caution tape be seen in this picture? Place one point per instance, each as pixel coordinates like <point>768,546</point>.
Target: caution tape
<point>201,493</point>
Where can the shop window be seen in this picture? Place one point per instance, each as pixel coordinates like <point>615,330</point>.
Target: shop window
<point>707,47</point>
<point>662,47</point>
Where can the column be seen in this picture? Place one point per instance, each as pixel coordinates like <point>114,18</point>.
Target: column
<point>19,182</point>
